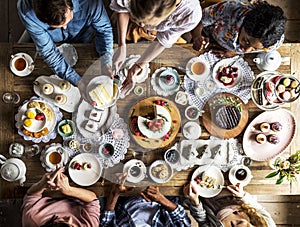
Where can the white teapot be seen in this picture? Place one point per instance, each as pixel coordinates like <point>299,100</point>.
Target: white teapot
<point>13,169</point>
<point>269,61</point>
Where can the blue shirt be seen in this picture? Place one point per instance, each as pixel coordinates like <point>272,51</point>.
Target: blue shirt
<point>89,19</point>
<point>125,215</point>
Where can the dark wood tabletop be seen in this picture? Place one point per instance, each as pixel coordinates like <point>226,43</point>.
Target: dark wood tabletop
<point>177,55</point>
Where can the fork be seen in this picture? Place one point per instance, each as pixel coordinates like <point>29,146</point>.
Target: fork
<point>238,58</point>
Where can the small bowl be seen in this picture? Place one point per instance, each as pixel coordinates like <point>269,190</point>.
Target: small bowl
<point>106,150</point>
<point>192,113</point>
<point>66,122</point>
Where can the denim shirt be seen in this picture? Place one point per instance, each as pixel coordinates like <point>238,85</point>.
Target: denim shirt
<point>89,19</point>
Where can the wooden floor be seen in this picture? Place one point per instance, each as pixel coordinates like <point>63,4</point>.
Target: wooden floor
<point>285,210</point>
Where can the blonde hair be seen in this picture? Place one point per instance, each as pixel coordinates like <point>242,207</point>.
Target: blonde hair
<point>143,9</point>
<point>255,218</point>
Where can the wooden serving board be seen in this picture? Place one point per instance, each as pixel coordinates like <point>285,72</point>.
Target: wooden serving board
<point>213,129</point>
<point>142,108</point>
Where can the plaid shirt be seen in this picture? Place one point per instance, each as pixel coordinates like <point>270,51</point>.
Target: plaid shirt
<point>162,218</point>
<point>222,22</point>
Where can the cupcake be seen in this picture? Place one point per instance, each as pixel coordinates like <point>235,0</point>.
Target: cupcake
<point>276,126</point>
<point>60,98</point>
<point>273,139</point>
<point>64,85</point>
<point>264,127</point>
<point>47,89</point>
<point>261,138</point>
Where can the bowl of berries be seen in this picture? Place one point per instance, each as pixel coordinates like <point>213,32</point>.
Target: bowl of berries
<point>106,150</point>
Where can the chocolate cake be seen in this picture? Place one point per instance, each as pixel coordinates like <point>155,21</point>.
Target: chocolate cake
<point>227,116</point>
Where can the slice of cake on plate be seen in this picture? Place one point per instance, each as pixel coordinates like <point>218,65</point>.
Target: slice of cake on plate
<point>95,115</point>
<point>100,95</point>
<point>91,126</point>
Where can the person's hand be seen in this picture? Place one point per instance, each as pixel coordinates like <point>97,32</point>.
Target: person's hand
<point>119,187</point>
<point>130,80</point>
<point>200,42</point>
<point>222,53</point>
<point>190,192</point>
<point>107,70</point>
<point>237,190</point>
<point>62,183</point>
<point>48,180</point>
<point>118,59</point>
<point>152,194</point>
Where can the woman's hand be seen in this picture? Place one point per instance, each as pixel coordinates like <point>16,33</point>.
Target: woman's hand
<point>222,53</point>
<point>130,80</point>
<point>237,190</point>
<point>62,183</point>
<point>118,59</point>
<point>190,192</point>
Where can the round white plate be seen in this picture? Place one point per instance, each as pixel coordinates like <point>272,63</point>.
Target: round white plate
<point>129,62</point>
<point>25,72</point>
<point>157,134</point>
<point>108,83</point>
<point>224,62</point>
<point>37,125</point>
<point>234,181</point>
<point>169,71</point>
<point>85,177</point>
<point>158,180</point>
<point>194,77</point>
<point>191,130</point>
<point>211,171</point>
<point>140,165</point>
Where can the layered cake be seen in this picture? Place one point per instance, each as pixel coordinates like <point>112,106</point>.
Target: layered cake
<point>227,117</point>
<point>100,95</point>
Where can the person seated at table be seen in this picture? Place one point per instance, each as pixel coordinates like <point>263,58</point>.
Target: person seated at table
<point>152,208</point>
<point>78,207</point>
<point>69,21</point>
<point>169,18</point>
<point>240,209</point>
<point>238,27</point>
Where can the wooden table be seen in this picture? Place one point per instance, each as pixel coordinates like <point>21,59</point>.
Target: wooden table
<point>178,55</point>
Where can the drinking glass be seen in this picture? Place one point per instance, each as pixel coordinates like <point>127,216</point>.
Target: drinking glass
<point>32,150</point>
<point>11,97</point>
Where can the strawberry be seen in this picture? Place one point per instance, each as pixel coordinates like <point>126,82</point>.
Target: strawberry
<point>134,120</point>
<point>137,133</point>
<point>40,117</point>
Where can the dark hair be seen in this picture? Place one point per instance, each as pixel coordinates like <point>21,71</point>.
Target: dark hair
<point>265,22</point>
<point>51,12</point>
<point>51,223</point>
<point>142,9</point>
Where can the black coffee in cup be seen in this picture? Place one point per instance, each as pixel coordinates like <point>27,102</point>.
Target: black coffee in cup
<point>135,171</point>
<point>241,174</point>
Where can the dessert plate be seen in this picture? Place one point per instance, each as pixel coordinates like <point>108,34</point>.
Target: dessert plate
<point>137,175</point>
<point>267,151</point>
<point>107,82</point>
<point>163,79</point>
<point>85,177</point>
<point>191,130</point>
<point>226,62</point>
<point>160,163</point>
<point>36,125</point>
<point>211,171</point>
<point>26,71</point>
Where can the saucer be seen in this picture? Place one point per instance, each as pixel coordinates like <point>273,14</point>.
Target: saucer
<point>26,71</point>
<point>140,165</point>
<point>233,180</point>
<point>191,130</point>
<point>196,77</point>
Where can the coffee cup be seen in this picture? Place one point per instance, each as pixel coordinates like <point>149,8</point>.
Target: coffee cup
<point>54,157</point>
<point>172,156</point>
<point>240,174</point>
<point>134,172</point>
<point>199,68</point>
<point>19,63</point>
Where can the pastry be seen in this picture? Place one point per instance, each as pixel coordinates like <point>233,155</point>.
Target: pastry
<point>227,117</point>
<point>74,144</point>
<point>261,138</point>
<point>95,115</point>
<point>91,126</point>
<point>169,80</point>
<point>47,89</point>
<point>60,98</point>
<point>64,85</point>
<point>264,127</point>
<point>66,129</point>
<point>100,95</point>
<point>273,139</point>
<point>276,126</point>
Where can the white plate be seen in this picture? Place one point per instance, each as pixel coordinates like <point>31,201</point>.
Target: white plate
<point>72,94</point>
<point>37,125</point>
<point>85,177</point>
<point>191,130</point>
<point>82,117</point>
<point>25,72</point>
<point>158,180</point>
<point>157,134</point>
<point>224,62</point>
<point>233,179</point>
<point>194,77</point>
<point>129,62</point>
<point>140,165</point>
<point>211,171</point>
<point>108,83</point>
<point>169,71</point>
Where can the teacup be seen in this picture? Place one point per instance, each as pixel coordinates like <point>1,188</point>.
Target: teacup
<point>200,68</point>
<point>106,150</point>
<point>172,156</point>
<point>19,63</point>
<point>53,158</point>
<point>134,172</point>
<point>240,174</point>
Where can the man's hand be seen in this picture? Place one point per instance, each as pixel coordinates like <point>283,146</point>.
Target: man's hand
<point>237,190</point>
<point>222,53</point>
<point>200,42</point>
<point>130,80</point>
<point>152,194</point>
<point>190,192</point>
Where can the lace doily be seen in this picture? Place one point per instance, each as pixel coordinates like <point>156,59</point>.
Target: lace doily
<point>156,86</point>
<point>51,125</point>
<point>208,87</point>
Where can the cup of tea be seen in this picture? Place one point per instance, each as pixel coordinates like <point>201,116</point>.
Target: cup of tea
<point>54,158</point>
<point>200,68</point>
<point>19,63</point>
<point>240,174</point>
<point>134,172</point>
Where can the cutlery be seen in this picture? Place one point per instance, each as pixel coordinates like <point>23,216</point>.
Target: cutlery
<point>238,58</point>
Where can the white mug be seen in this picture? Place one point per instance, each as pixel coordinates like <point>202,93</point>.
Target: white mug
<point>19,63</point>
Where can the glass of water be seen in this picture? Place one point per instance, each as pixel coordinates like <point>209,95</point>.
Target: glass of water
<point>11,97</point>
